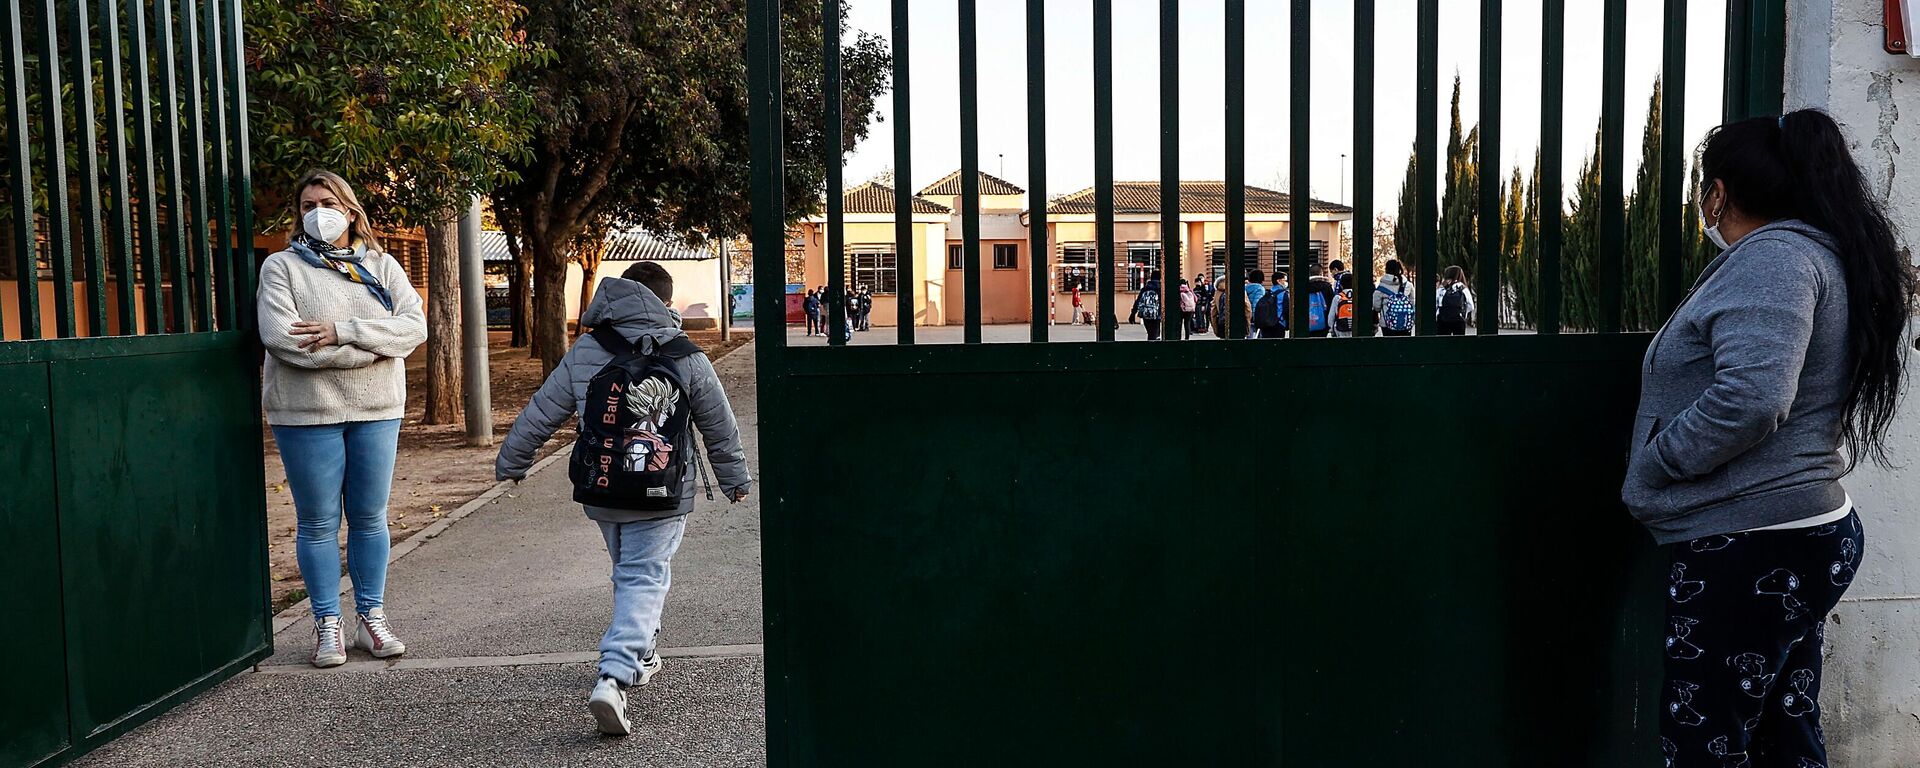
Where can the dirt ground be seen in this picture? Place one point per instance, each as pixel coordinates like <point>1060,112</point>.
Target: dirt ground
<point>435,472</point>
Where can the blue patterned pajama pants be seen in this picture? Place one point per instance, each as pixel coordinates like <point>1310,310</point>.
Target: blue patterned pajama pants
<point>1744,619</point>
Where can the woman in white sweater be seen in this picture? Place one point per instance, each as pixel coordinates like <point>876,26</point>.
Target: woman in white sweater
<point>338,316</point>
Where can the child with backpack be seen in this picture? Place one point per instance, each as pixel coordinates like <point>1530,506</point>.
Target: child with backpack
<point>1455,303</point>
<point>1146,307</point>
<point>1319,296</point>
<point>1343,307</point>
<point>641,389</point>
<point>1393,301</point>
<point>1270,314</point>
<point>1182,328</point>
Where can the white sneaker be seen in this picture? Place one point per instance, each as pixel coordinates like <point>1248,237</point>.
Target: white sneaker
<point>649,667</point>
<point>329,642</point>
<point>371,632</point>
<point>609,707</point>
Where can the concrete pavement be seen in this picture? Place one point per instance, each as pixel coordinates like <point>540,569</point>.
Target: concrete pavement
<point>501,613</point>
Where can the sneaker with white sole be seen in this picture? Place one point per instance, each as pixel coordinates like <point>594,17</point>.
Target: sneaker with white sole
<point>329,642</point>
<point>649,667</point>
<point>372,633</point>
<point>609,707</point>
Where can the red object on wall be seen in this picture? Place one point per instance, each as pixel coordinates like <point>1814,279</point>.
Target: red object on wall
<point>1897,37</point>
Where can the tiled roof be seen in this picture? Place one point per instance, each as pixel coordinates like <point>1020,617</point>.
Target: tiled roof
<point>1195,197</point>
<point>628,245</point>
<point>874,197</point>
<point>989,185</point>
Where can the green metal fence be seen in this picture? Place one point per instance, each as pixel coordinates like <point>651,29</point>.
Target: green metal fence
<point>132,525</point>
<point>1364,551</point>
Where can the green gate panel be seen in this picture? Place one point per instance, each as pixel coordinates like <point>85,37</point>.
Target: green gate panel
<point>33,684</point>
<point>161,524</point>
<point>1352,552</point>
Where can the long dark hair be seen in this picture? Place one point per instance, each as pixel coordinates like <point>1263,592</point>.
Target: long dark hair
<point>1797,166</point>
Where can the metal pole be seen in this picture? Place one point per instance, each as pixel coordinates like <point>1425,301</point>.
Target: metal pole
<point>473,331</point>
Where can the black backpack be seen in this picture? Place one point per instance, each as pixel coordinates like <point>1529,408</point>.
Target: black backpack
<point>1453,305</point>
<point>636,428</point>
<point>1267,312</point>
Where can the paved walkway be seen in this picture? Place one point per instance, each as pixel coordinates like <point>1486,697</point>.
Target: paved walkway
<point>501,613</point>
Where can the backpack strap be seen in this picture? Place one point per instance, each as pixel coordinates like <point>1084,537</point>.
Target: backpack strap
<point>679,347</point>
<point>611,340</point>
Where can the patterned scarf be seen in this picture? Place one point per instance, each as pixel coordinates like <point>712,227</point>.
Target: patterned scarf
<point>345,261</point>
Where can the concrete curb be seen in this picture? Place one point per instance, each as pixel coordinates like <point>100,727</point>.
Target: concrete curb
<point>293,613</point>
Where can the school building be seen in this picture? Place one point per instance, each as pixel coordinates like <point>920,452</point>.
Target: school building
<point>871,253</point>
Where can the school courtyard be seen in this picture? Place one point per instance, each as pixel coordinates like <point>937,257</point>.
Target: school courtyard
<point>502,607</point>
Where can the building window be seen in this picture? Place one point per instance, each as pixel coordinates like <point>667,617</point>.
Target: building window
<point>874,269</point>
<point>956,257</point>
<point>1006,256</point>
<point>1143,259</point>
<point>1283,254</point>
<point>1217,257</point>
<point>1077,267</point>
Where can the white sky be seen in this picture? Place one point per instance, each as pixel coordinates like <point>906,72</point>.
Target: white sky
<point>1003,99</point>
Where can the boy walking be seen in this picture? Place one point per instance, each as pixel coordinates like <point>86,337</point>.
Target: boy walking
<point>641,388</point>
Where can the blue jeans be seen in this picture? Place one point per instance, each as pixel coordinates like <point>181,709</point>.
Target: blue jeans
<point>335,469</point>
<point>642,555</point>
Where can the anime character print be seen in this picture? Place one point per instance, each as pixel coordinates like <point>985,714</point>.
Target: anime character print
<point>652,402</point>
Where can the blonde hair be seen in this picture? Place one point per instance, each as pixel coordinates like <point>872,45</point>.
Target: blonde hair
<point>359,230</point>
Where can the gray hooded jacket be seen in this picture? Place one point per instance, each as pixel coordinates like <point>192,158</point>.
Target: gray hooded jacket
<point>1742,393</point>
<point>644,320</point>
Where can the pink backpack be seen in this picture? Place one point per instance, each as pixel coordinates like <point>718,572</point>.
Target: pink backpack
<point>1187,302</point>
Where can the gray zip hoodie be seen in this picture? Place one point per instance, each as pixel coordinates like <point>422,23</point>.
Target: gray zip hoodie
<point>644,320</point>
<point>1743,391</point>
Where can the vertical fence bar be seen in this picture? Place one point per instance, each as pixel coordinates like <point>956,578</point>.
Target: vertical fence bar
<point>176,184</point>
<point>902,177</point>
<point>1299,166</point>
<point>1172,318</point>
<point>970,166</point>
<point>836,234</point>
<point>1553,62</point>
<point>1673,175</point>
<point>54,170</point>
<point>1363,52</point>
<point>145,186</point>
<point>114,112</point>
<point>1037,246</point>
<point>1300,162</point>
<point>242,168</point>
<point>1235,110</point>
<point>222,255</point>
<point>1103,161</point>
<point>767,149</point>
<point>1756,58</point>
<point>1488,284</point>
<point>87,140</point>
<point>1613,115</point>
<point>20,187</point>
<point>197,262</point>
<point>1425,152</point>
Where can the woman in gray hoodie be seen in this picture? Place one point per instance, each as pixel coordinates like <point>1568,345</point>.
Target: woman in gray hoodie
<point>1788,347</point>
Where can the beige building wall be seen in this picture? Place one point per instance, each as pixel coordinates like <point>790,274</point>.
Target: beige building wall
<point>697,292</point>
<point>931,301</point>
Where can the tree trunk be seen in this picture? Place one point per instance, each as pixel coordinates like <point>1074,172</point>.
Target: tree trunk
<point>443,323</point>
<point>589,261</point>
<point>550,305</point>
<point>519,295</point>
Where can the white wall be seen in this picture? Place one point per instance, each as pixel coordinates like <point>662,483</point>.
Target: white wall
<point>696,289</point>
<point>1871,692</point>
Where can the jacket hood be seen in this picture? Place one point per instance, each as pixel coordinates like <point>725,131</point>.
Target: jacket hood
<point>639,315</point>
<point>1786,228</point>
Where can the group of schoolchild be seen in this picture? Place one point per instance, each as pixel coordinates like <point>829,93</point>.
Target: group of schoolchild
<point>1330,304</point>
<point>858,307</point>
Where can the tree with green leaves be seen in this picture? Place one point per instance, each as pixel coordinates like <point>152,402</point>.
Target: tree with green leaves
<point>1580,247</point>
<point>411,101</point>
<point>1640,308</point>
<point>1459,235</point>
<point>643,121</point>
<point>1406,223</point>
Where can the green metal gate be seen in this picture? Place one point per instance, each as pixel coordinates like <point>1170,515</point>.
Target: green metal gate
<point>1136,554</point>
<point>132,521</point>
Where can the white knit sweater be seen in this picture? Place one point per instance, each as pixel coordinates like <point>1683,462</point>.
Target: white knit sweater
<point>363,378</point>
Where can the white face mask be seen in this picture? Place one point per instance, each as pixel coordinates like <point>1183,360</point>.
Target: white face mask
<point>325,224</point>
<point>1713,232</point>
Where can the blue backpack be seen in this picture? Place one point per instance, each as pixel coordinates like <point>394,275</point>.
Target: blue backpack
<point>1316,311</point>
<point>1397,313</point>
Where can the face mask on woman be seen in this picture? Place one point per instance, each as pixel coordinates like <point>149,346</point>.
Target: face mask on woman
<point>1713,231</point>
<point>325,224</point>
